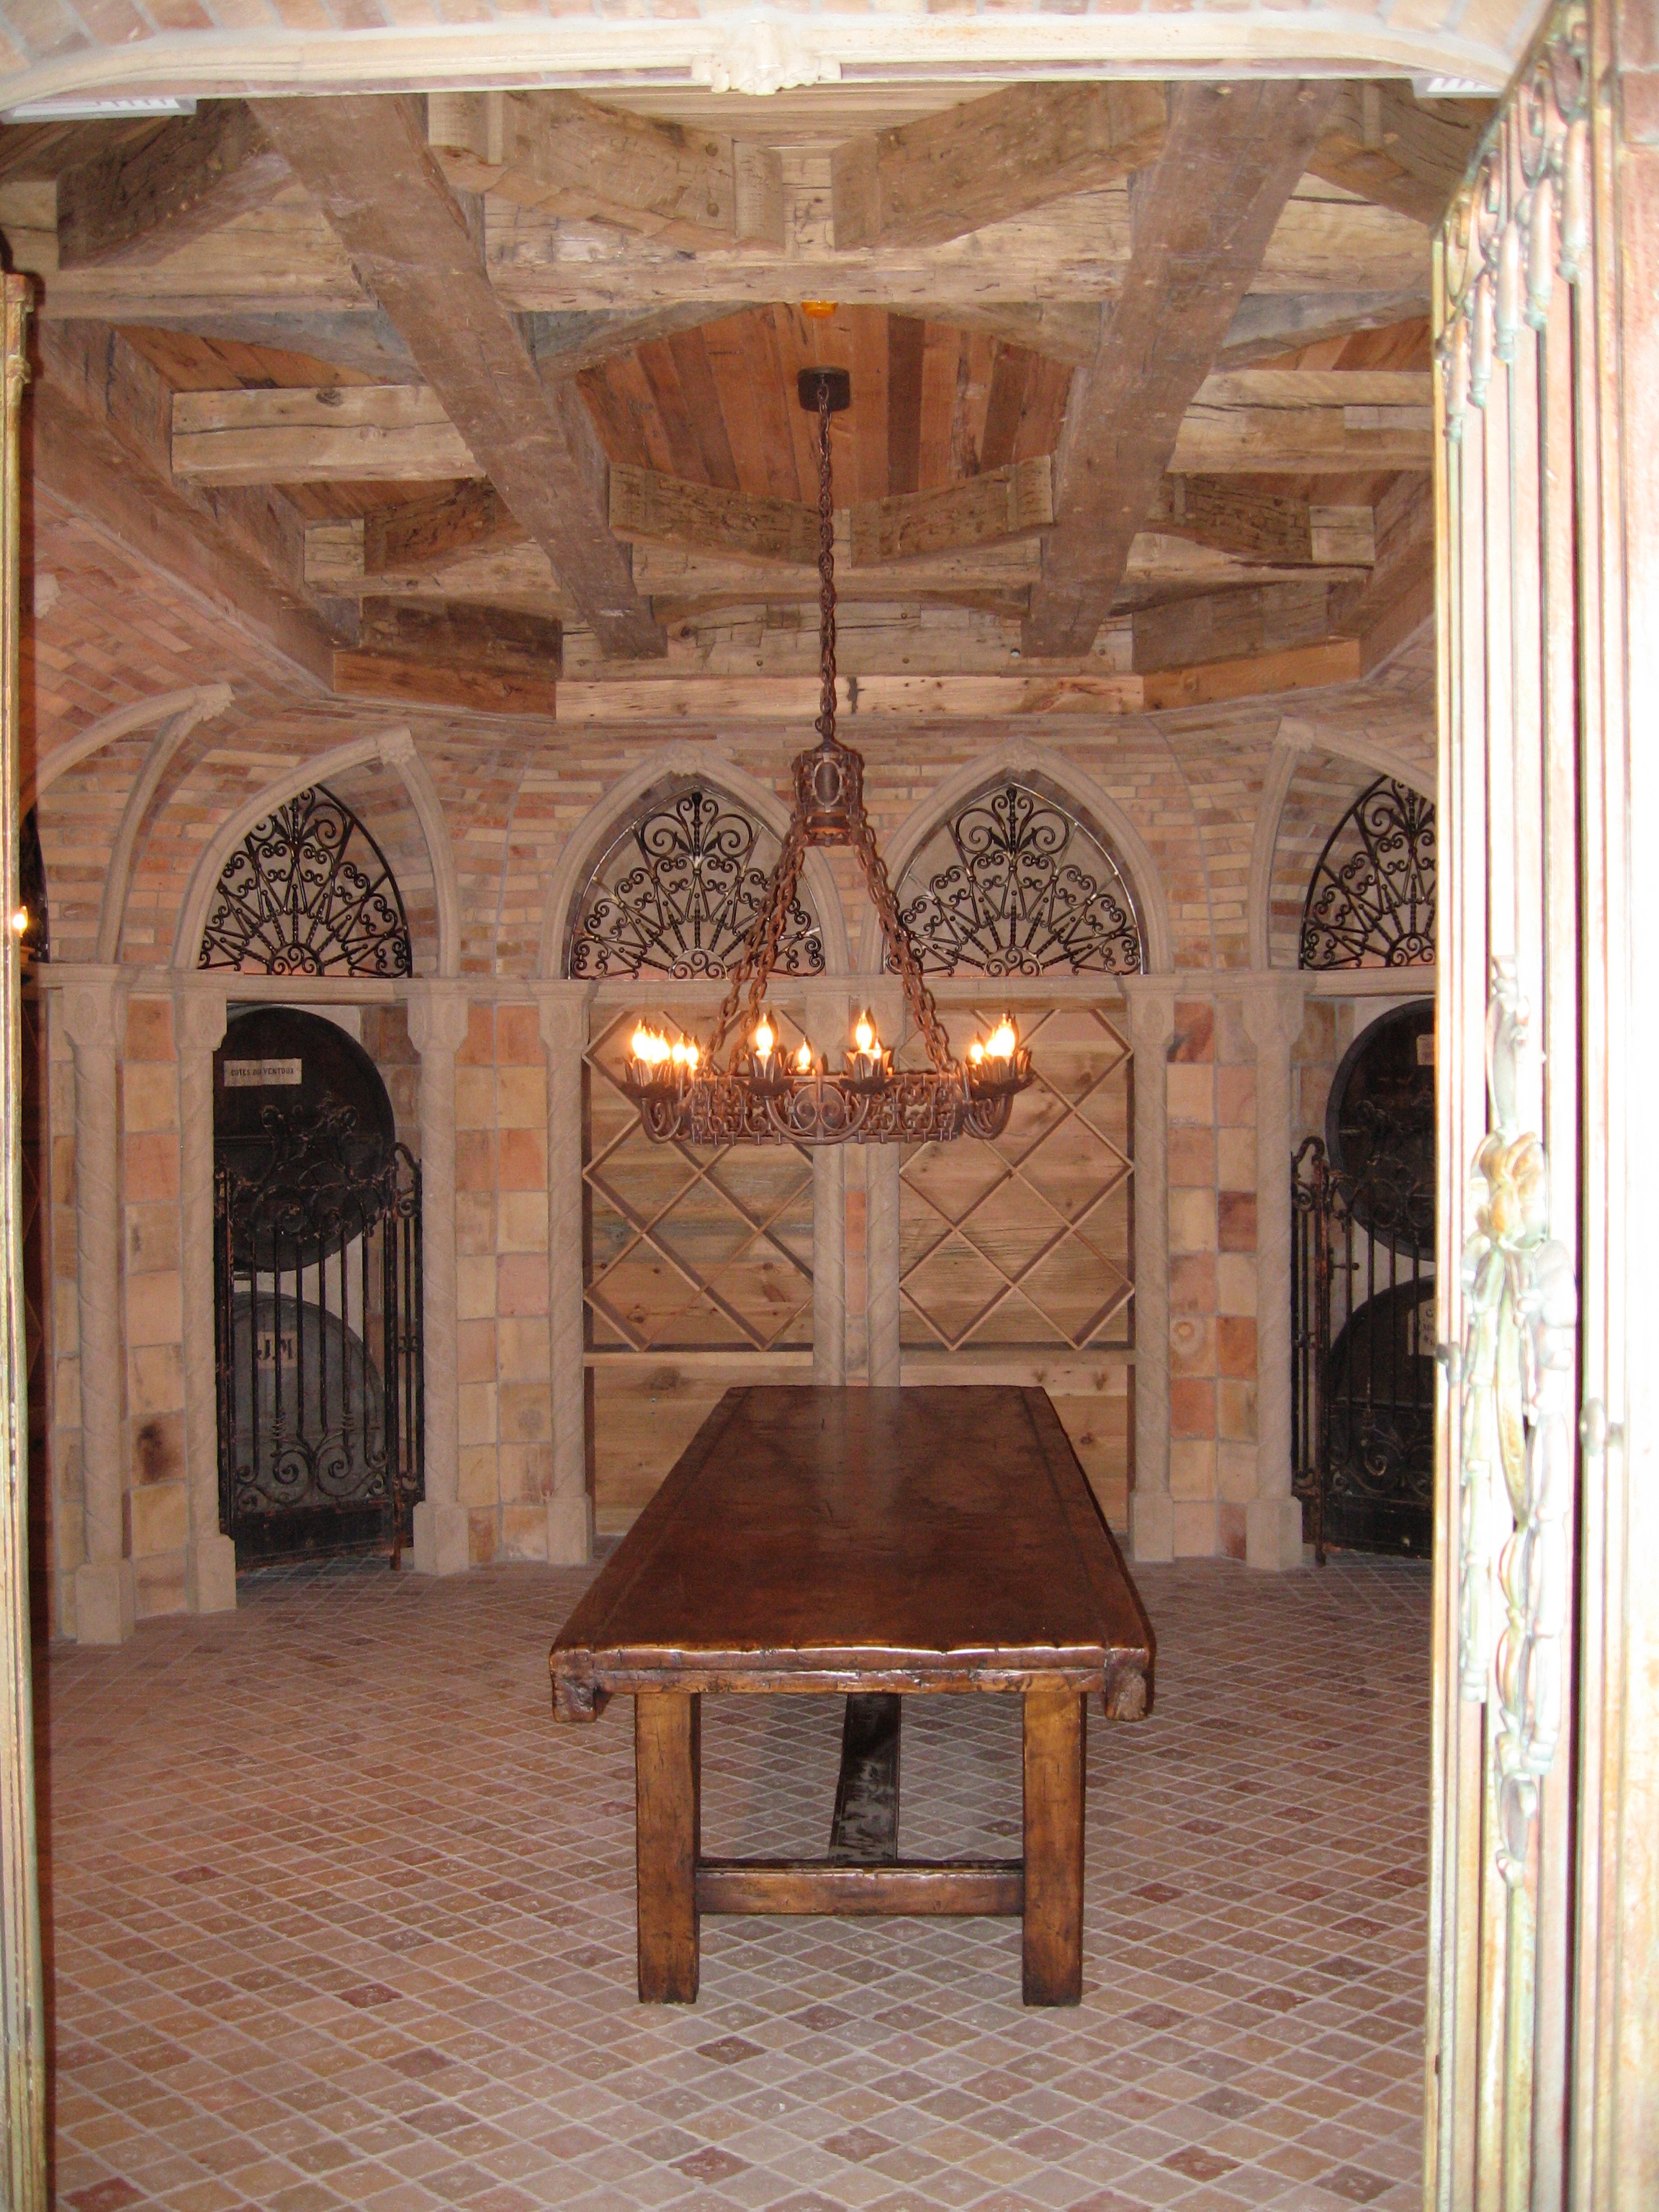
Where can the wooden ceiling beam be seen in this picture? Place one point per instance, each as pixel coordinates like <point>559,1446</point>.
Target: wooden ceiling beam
<point>1233,625</point>
<point>360,339</point>
<point>955,171</point>
<point>1273,322</point>
<point>1307,421</point>
<point>666,510</point>
<point>137,204</point>
<point>366,163</point>
<point>1397,151</point>
<point>489,660</point>
<point>1013,501</point>
<point>1203,216</point>
<point>366,433</point>
<point>560,151</point>
<point>1397,599</point>
<point>1268,527</point>
<point>420,532</point>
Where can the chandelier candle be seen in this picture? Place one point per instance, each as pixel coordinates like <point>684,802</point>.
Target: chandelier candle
<point>760,1096</point>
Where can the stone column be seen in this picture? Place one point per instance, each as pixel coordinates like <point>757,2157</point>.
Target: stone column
<point>437,1029</point>
<point>1151,1024</point>
<point>881,1236</point>
<point>828,1015</point>
<point>570,1508</point>
<point>1272,1523</point>
<point>198,1029</point>
<point>93,1015</point>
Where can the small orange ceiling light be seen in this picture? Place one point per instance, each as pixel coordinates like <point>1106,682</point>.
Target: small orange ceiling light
<point>817,311</point>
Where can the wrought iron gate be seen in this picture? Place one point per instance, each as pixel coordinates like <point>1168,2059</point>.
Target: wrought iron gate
<point>1363,1337</point>
<point>317,1264</point>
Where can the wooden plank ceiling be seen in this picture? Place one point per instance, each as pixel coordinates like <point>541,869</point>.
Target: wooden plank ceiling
<point>398,376</point>
<point>932,405</point>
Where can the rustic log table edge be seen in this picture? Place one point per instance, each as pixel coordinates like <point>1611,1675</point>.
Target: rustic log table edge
<point>584,1683</point>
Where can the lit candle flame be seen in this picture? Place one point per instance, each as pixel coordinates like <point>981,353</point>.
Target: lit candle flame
<point>864,1034</point>
<point>692,1055</point>
<point>20,921</point>
<point>1002,1039</point>
<point>804,1061</point>
<point>649,1047</point>
<point>765,1039</point>
<point>679,1052</point>
<point>977,1052</point>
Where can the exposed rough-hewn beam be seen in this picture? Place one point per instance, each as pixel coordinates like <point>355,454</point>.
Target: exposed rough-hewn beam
<point>366,163</point>
<point>138,204</point>
<point>1254,676</point>
<point>567,343</point>
<point>1269,527</point>
<point>420,533</point>
<point>1307,421</point>
<point>488,659</point>
<point>559,150</point>
<point>955,171</point>
<point>1397,599</point>
<point>1403,154</point>
<point>670,512</point>
<point>1271,322</point>
<point>1203,216</point>
<point>1232,624</point>
<point>388,433</point>
<point>983,510</point>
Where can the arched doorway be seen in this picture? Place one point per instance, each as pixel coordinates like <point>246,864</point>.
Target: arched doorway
<point>317,1282</point>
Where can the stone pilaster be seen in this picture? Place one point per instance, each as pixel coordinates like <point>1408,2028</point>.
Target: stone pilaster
<point>1273,1014</point>
<point>570,1508</point>
<point>829,1012</point>
<point>1151,1024</point>
<point>437,1029</point>
<point>198,1027</point>
<point>94,1014</point>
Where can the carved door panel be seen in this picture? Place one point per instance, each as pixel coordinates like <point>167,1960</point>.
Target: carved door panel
<point>1541,2090</point>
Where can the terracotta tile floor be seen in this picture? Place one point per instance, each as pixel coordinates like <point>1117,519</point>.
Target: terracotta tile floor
<point>338,1918</point>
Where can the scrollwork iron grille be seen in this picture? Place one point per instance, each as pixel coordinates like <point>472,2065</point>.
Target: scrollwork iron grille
<point>1370,901</point>
<point>1363,1310</point>
<point>1014,884</point>
<point>308,892</point>
<point>317,1279</point>
<point>679,892</point>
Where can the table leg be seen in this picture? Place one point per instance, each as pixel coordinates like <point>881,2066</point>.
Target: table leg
<point>1053,1771</point>
<point>668,1813</point>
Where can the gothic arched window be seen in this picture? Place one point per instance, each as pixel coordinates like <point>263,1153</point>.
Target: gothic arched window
<point>1016,883</point>
<point>308,892</point>
<point>1370,901</point>
<point>677,893</point>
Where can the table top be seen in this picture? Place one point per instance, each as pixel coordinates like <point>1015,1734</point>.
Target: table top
<point>824,1539</point>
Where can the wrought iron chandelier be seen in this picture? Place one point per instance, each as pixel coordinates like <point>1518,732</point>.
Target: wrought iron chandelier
<point>762,1095</point>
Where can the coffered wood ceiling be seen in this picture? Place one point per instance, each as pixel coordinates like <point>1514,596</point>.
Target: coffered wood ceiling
<point>389,376</point>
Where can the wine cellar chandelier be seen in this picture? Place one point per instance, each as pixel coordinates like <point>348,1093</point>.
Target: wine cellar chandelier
<point>760,1095</point>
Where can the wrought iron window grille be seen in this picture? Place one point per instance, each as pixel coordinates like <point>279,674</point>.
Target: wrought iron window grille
<point>1015,884</point>
<point>308,892</point>
<point>1373,906</point>
<point>679,892</point>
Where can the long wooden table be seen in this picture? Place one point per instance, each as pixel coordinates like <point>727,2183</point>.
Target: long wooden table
<point>877,1543</point>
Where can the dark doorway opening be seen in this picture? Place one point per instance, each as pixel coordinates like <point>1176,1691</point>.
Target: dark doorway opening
<point>317,1279</point>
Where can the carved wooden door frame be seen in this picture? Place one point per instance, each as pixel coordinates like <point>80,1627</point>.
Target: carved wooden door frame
<point>1543,2085</point>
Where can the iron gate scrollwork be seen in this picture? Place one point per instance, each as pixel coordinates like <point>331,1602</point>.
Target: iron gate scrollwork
<point>1363,1300</point>
<point>317,1273</point>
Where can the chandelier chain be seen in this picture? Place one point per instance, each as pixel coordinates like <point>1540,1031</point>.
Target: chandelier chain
<point>826,721</point>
